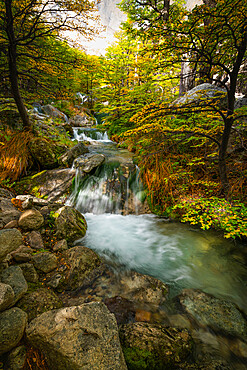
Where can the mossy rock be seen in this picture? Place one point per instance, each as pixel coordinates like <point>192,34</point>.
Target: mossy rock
<point>37,301</point>
<point>48,184</point>
<point>151,346</point>
<point>43,152</point>
<point>70,224</point>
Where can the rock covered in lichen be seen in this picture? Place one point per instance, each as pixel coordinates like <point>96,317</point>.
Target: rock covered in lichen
<point>152,346</point>
<point>70,224</point>
<point>78,337</point>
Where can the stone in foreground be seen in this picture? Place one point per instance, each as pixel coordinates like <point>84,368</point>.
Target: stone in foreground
<point>10,240</point>
<point>12,326</point>
<point>14,277</point>
<point>78,337</point>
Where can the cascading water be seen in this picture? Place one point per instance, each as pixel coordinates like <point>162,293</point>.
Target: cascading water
<point>89,134</point>
<point>182,256</point>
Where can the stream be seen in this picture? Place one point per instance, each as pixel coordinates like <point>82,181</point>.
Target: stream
<point>127,237</point>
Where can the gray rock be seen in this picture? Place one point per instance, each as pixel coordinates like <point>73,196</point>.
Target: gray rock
<point>22,254</point>
<point>61,245</point>
<point>240,102</point>
<point>10,239</point>
<point>52,184</point>
<point>53,112</point>
<point>203,92</point>
<point>45,261</point>
<point>78,337</point>
<point>40,301</point>
<point>154,346</point>
<point>16,358</point>
<point>84,264</point>
<point>34,239</point>
<point>67,158</point>
<point>70,224</point>
<point>89,161</point>
<point>13,276</point>
<point>81,120</point>
<point>143,288</point>
<point>29,272</point>
<point>4,193</point>
<point>218,314</point>
<point>12,326</point>
<point>7,212</point>
<point>7,296</point>
<point>31,220</point>
<point>34,200</point>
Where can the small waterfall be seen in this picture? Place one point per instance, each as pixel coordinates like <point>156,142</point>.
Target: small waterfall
<point>89,134</point>
<point>111,189</point>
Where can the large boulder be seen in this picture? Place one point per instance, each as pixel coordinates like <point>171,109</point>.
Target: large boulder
<point>83,266</point>
<point>220,315</point>
<point>51,184</point>
<point>68,157</point>
<point>88,162</point>
<point>70,224</point>
<point>203,93</point>
<point>53,112</point>
<point>152,346</point>
<point>78,337</point>
<point>7,296</point>
<point>10,240</point>
<point>43,152</point>
<point>14,277</point>
<point>31,219</point>
<point>81,120</point>
<point>39,301</point>
<point>12,326</point>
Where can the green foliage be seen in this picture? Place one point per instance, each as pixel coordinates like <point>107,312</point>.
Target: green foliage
<point>138,359</point>
<point>215,213</point>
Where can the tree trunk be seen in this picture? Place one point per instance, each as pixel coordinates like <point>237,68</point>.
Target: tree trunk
<point>222,156</point>
<point>229,117</point>
<point>13,72</point>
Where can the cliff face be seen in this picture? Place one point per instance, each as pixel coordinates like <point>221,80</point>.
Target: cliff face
<point>111,16</point>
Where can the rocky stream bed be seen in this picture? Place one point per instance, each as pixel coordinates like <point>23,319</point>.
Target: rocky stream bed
<point>62,306</point>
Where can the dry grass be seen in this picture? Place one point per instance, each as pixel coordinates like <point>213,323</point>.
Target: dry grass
<point>14,154</point>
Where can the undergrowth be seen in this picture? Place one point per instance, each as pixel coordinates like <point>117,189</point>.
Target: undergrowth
<point>14,154</point>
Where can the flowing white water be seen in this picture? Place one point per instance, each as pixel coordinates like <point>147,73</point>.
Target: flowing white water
<point>91,135</point>
<point>173,253</point>
<point>182,256</point>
